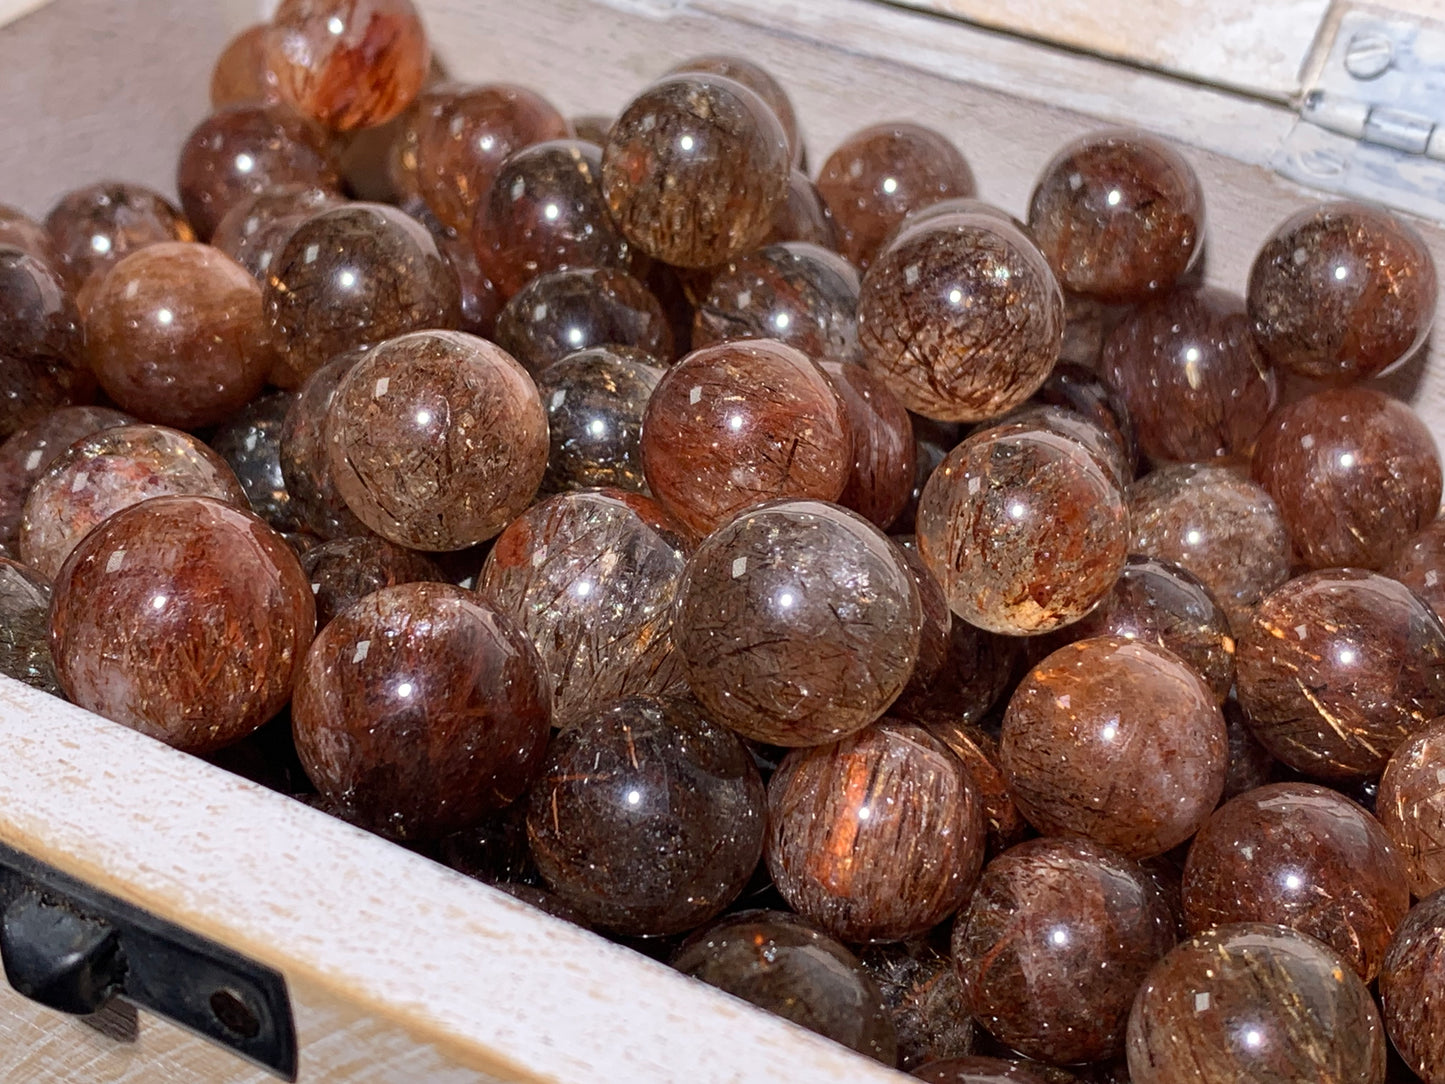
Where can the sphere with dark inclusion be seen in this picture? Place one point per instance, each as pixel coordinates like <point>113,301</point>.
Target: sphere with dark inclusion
<point>1411,806</point>
<point>1337,668</point>
<point>794,292</point>
<point>783,964</point>
<point>733,425</point>
<point>420,709</point>
<point>694,168</point>
<point>1055,943</point>
<point>1120,216</point>
<point>1302,856</point>
<point>25,627</point>
<point>922,994</point>
<point>544,212</point>
<point>1341,292</point>
<point>183,618</point>
<point>250,443</point>
<point>1258,1003</point>
<point>884,454</point>
<point>591,577</point>
<point>1355,473</point>
<point>27,454</point>
<point>1420,566</point>
<point>1023,529</point>
<point>647,818</point>
<point>1118,742</point>
<point>38,315</point>
<point>798,623</point>
<point>879,837</point>
<point>95,227</point>
<point>352,276</point>
<point>979,1070</point>
<point>879,174</point>
<point>595,401</point>
<point>436,440</point>
<point>1410,985</point>
<point>110,470</point>
<point>345,570</point>
<point>255,230</point>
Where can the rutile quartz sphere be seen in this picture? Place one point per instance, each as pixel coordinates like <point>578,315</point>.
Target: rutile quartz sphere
<point>345,570</point>
<point>1355,474</point>
<point>564,311</point>
<point>107,471</point>
<point>595,401</point>
<point>1258,1003</point>
<point>798,623</point>
<point>348,64</point>
<point>1250,763</point>
<point>1420,566</point>
<point>803,216</point>
<point>437,440</point>
<point>27,454</point>
<point>95,227</point>
<point>25,627</point>
<point>543,212</point>
<point>1411,806</point>
<point>978,749</point>
<point>245,150</point>
<point>694,169</point>
<point>922,994</point>
<point>38,315</point>
<point>879,837</point>
<point>1055,943</point>
<point>250,444</point>
<point>1079,389</point>
<point>19,230</point>
<point>794,292</point>
<point>733,425</point>
<point>241,74</point>
<point>1119,215</point>
<point>591,577</point>
<point>184,618</point>
<point>419,710</point>
<point>884,454</point>
<point>1410,985</point>
<point>781,963</point>
<point>1023,529</point>
<point>177,336</point>
<point>1336,668</point>
<point>353,276</point>
<point>481,303</point>
<point>1196,385</point>
<point>879,174</point>
<point>255,230</point>
<point>1341,292</point>
<point>933,633</point>
<point>761,82</point>
<point>31,388</point>
<point>305,465</point>
<point>1303,856</point>
<point>1115,741</point>
<point>1067,422</point>
<point>1213,523</point>
<point>961,317</point>
<point>981,1070</point>
<point>647,818</point>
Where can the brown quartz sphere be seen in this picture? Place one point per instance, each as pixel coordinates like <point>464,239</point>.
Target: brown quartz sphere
<point>419,710</point>
<point>591,577</point>
<point>1055,943</point>
<point>978,750</point>
<point>305,465</point>
<point>1115,741</point>
<point>244,150</point>
<point>961,317</point>
<point>1336,668</point>
<point>345,570</point>
<point>250,443</point>
<point>1411,806</point>
<point>922,994</point>
<point>544,211</point>
<point>255,230</point>
<point>694,169</point>
<point>1411,982</point>
<point>783,964</point>
<point>241,74</point>
<point>803,216</point>
<point>177,336</point>
<point>564,311</point>
<point>21,231</point>
<point>25,456</point>
<point>101,474</point>
<point>1023,529</point>
<point>879,837</point>
<point>184,618</point>
<point>1081,429</point>
<point>481,302</point>
<point>1258,1003</point>
<point>39,319</point>
<point>348,64</point>
<point>647,818</point>
<point>1341,292</point>
<point>1303,856</point>
<point>25,627</point>
<point>879,174</point>
<point>1420,566</point>
<point>1211,522</point>
<point>437,440</point>
<point>352,276</point>
<point>1120,216</point>
<point>980,1070</point>
<point>757,79</point>
<point>884,456</point>
<point>1080,390</point>
<point>797,622</point>
<point>1196,385</point>
<point>95,227</point>
<point>934,632</point>
<point>794,292</point>
<point>736,424</point>
<point>1355,474</point>
<point>31,388</point>
<point>595,401</point>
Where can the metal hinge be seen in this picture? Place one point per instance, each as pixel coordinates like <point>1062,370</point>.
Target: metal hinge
<point>1372,117</point>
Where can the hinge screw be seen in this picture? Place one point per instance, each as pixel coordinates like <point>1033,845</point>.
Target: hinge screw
<point>1369,55</point>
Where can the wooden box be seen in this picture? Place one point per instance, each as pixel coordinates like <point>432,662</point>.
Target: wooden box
<point>398,969</point>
